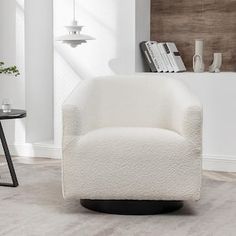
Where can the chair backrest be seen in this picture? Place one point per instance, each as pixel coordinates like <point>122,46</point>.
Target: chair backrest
<point>131,101</point>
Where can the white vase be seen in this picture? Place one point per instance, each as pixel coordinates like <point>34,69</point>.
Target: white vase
<point>198,63</point>
<point>216,64</point>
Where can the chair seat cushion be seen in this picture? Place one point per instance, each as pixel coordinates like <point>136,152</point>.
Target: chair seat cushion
<point>132,163</point>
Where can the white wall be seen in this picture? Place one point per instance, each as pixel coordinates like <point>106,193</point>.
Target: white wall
<point>7,53</point>
<point>118,27</point>
<point>12,53</point>
<point>216,92</point>
<point>38,87</point>
<point>39,69</point>
<point>142,30</point>
<point>26,27</point>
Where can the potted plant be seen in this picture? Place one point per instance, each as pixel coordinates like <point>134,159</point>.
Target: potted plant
<point>12,70</point>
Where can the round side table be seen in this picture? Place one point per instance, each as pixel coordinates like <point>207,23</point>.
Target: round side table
<point>14,114</point>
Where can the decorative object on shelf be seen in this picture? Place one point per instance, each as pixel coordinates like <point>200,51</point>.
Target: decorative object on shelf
<point>198,63</point>
<point>6,105</point>
<point>162,57</point>
<point>74,37</point>
<point>12,70</point>
<point>217,63</point>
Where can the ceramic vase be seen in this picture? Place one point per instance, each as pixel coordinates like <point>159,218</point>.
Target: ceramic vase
<point>198,63</point>
<point>216,64</point>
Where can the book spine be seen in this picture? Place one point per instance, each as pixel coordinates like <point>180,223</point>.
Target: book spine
<point>153,56</point>
<point>170,56</point>
<point>147,57</point>
<point>165,57</point>
<point>158,56</point>
<point>176,58</point>
<point>171,60</point>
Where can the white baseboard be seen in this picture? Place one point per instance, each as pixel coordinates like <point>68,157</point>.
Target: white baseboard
<point>34,150</point>
<point>210,162</point>
<point>219,163</point>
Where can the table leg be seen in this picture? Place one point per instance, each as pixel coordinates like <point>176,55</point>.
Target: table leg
<point>9,161</point>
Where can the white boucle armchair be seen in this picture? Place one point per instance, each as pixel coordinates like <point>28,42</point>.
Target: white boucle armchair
<point>132,139</point>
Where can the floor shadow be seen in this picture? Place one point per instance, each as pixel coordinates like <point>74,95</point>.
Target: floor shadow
<point>188,209</point>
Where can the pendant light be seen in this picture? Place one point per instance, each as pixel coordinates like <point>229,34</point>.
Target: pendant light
<point>74,37</point>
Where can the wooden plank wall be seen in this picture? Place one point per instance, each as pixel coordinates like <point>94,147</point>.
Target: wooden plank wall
<point>183,21</point>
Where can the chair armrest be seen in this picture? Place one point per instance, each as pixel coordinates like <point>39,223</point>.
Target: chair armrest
<point>78,113</point>
<point>70,120</point>
<point>186,115</point>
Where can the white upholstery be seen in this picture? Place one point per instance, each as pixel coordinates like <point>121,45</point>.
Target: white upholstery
<point>132,137</point>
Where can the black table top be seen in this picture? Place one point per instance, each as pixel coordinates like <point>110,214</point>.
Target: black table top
<point>14,114</point>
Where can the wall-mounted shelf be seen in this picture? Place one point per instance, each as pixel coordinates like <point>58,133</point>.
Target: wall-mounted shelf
<point>192,75</point>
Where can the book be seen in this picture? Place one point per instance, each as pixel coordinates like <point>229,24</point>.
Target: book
<point>147,56</point>
<point>165,57</point>
<point>156,61</point>
<point>158,56</point>
<point>174,57</point>
<point>170,57</point>
<point>162,57</point>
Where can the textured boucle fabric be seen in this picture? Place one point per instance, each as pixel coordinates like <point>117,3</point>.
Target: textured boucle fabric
<point>132,138</point>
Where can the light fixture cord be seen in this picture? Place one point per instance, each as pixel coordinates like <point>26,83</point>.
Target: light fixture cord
<point>74,9</point>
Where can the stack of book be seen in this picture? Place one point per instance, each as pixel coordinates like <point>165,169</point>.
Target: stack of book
<point>162,57</point>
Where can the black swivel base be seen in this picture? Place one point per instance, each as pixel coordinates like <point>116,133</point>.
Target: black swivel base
<point>131,207</point>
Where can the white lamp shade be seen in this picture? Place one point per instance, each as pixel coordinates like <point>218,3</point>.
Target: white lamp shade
<point>74,37</point>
